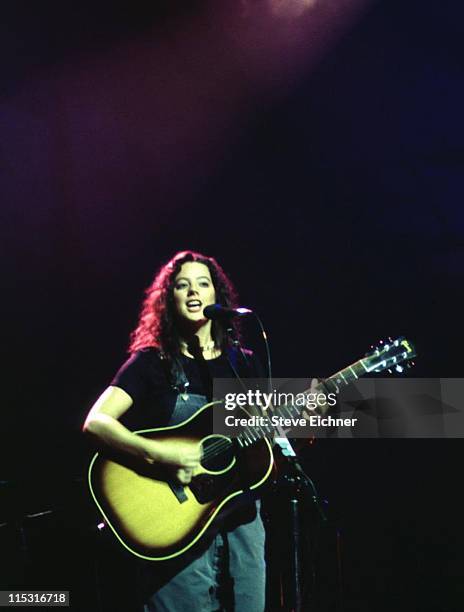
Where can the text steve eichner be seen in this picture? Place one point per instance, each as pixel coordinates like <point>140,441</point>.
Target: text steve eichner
<point>280,421</point>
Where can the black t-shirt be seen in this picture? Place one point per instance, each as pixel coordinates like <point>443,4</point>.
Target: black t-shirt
<point>145,377</point>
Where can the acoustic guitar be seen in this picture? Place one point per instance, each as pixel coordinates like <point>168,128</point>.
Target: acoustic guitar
<point>156,518</point>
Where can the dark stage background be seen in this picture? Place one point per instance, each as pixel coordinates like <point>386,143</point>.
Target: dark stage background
<point>315,149</point>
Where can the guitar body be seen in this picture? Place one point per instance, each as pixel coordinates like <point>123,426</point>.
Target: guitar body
<point>157,519</point>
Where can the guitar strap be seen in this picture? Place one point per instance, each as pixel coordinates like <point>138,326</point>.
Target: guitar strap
<point>175,374</point>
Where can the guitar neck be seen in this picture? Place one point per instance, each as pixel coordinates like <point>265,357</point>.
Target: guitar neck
<point>334,384</point>
<point>346,376</point>
<point>388,355</point>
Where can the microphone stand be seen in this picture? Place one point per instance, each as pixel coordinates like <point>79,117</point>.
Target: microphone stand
<point>236,344</point>
<point>294,482</point>
<point>299,490</point>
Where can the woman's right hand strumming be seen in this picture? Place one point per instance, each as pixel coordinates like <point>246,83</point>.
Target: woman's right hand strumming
<point>182,457</point>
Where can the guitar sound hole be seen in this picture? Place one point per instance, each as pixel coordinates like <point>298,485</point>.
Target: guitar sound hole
<point>218,453</point>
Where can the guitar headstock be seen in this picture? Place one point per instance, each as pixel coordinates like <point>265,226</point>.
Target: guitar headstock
<point>389,355</point>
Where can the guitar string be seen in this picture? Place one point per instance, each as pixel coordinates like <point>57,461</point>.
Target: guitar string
<point>208,456</point>
<point>218,448</point>
<point>220,444</point>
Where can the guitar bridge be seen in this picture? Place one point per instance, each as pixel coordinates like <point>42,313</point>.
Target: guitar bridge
<point>203,488</point>
<point>179,492</point>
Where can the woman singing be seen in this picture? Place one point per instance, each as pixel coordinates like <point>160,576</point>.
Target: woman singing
<point>175,355</point>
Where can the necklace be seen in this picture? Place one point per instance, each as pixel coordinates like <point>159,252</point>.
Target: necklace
<point>209,346</point>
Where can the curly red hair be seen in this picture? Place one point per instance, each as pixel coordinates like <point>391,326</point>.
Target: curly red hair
<point>157,320</point>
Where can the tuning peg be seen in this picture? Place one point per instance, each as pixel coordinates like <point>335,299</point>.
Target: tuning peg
<point>399,368</point>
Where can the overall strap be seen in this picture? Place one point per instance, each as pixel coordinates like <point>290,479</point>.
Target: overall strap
<point>175,373</point>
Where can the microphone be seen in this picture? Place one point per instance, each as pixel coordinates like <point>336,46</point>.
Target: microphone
<point>216,311</point>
